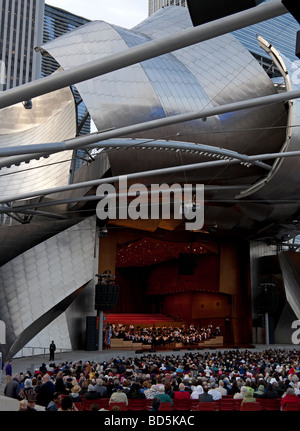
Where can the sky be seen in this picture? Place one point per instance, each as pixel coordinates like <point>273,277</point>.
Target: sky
<point>125,13</point>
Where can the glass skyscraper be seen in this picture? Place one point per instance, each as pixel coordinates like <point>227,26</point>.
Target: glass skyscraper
<point>56,23</point>
<point>25,25</point>
<point>21,29</point>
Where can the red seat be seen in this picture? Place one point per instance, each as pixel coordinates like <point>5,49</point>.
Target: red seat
<point>181,404</point>
<point>237,403</point>
<point>194,404</point>
<point>123,406</point>
<point>227,405</point>
<point>273,404</point>
<point>292,407</point>
<point>138,404</point>
<point>207,406</point>
<point>79,406</point>
<point>250,407</point>
<point>165,406</point>
<point>86,404</point>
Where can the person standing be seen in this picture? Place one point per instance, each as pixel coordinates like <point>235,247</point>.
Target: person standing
<point>8,369</point>
<point>52,349</point>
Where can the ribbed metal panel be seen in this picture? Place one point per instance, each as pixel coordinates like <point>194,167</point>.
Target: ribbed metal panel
<point>35,285</point>
<point>51,119</point>
<point>214,72</point>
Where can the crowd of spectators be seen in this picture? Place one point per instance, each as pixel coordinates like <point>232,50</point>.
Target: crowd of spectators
<point>163,336</point>
<point>206,376</point>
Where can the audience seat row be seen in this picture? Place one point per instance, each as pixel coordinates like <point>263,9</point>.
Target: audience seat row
<point>225,404</point>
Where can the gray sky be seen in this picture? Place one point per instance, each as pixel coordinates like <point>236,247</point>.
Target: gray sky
<point>126,13</point>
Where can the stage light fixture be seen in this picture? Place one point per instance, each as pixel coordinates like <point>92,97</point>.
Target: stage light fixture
<point>27,104</point>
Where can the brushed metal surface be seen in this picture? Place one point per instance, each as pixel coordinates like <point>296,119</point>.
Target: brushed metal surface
<point>52,118</point>
<point>207,74</point>
<point>35,285</point>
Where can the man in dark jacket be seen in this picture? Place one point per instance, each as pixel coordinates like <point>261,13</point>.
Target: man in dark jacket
<point>205,397</point>
<point>52,349</point>
<point>45,393</point>
<point>12,388</point>
<point>91,393</point>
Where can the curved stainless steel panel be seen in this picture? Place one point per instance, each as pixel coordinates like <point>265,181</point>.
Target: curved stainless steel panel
<point>284,181</point>
<point>210,73</point>
<point>34,284</point>
<point>51,119</point>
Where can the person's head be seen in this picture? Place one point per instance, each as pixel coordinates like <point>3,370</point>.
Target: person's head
<point>115,408</point>
<point>56,397</point>
<point>66,404</point>
<point>17,376</point>
<point>46,378</point>
<point>23,405</point>
<point>161,389</point>
<point>28,383</point>
<point>94,407</point>
<point>31,402</point>
<point>168,386</point>
<point>125,383</point>
<point>76,389</point>
<point>248,394</point>
<point>155,403</point>
<point>181,386</point>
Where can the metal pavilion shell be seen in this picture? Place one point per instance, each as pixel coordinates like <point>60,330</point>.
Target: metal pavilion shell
<point>204,75</point>
<point>51,119</point>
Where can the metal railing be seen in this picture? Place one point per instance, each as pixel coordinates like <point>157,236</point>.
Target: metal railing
<point>41,352</point>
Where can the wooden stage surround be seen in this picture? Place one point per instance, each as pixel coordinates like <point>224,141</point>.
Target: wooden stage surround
<point>119,344</point>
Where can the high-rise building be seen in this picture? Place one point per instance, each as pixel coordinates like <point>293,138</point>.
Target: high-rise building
<point>56,23</point>
<point>155,5</point>
<point>25,25</point>
<point>21,29</point>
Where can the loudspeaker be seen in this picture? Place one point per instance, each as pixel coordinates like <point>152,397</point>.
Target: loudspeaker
<point>298,44</point>
<point>91,333</point>
<point>268,299</point>
<point>293,7</point>
<point>187,263</point>
<point>202,11</point>
<point>106,296</point>
<point>139,351</point>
